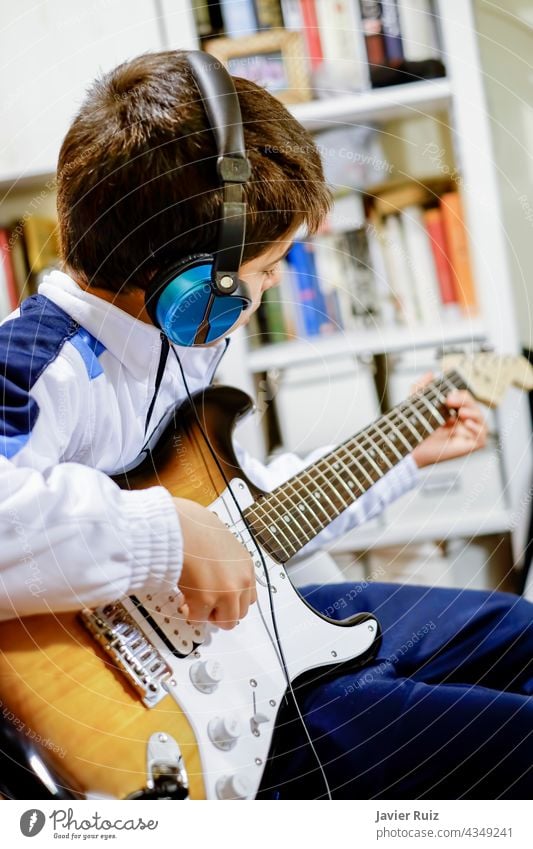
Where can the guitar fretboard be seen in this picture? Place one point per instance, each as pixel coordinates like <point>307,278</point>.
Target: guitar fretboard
<point>286,519</point>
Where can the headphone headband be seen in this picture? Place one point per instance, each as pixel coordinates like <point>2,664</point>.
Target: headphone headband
<point>223,110</point>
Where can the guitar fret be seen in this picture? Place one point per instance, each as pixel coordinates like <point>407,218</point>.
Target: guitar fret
<point>322,475</point>
<point>389,442</point>
<point>345,485</point>
<point>317,498</point>
<point>415,433</point>
<point>375,447</point>
<point>304,513</point>
<point>287,517</point>
<point>432,409</point>
<point>289,511</point>
<point>275,528</point>
<point>425,424</point>
<point>348,469</point>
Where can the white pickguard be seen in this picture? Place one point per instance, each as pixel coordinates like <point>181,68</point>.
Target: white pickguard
<point>253,682</point>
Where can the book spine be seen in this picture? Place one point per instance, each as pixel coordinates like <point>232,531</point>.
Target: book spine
<point>202,18</point>
<point>421,265</point>
<point>311,32</point>
<point>457,241</point>
<point>437,238</point>
<point>13,295</point>
<point>311,299</point>
<point>417,26</point>
<point>390,22</point>
<point>274,317</point>
<point>398,272</point>
<point>239,17</point>
<point>372,24</point>
<point>342,42</point>
<point>268,14</point>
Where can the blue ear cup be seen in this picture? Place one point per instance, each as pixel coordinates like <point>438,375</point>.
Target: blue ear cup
<point>186,300</point>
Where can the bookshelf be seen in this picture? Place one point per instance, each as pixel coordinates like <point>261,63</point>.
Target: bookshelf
<point>457,102</point>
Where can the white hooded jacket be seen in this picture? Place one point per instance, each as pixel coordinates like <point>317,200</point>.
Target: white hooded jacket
<point>78,377</point>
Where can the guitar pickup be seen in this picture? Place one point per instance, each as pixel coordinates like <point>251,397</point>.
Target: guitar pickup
<point>134,655</point>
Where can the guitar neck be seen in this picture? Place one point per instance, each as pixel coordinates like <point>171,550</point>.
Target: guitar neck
<point>286,519</point>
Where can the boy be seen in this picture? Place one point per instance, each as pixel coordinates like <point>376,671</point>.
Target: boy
<point>85,384</point>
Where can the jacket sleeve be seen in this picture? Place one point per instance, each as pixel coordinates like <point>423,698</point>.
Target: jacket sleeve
<point>70,536</point>
<point>391,486</point>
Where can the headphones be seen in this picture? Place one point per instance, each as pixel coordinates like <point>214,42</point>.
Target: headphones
<point>199,298</point>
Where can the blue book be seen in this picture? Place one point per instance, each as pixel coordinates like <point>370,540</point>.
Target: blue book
<point>390,22</point>
<point>312,301</point>
<point>239,17</point>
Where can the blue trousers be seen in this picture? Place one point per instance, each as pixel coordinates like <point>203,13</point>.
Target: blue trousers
<point>444,711</point>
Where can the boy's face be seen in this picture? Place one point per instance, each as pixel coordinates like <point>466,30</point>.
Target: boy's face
<point>262,273</point>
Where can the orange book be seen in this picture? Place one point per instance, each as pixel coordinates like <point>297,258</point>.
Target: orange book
<point>433,219</point>
<point>457,241</point>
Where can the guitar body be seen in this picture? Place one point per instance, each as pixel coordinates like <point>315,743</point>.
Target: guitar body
<point>63,690</point>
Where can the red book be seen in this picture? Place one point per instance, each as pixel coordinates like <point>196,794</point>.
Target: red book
<point>311,32</point>
<point>5,259</point>
<point>437,238</point>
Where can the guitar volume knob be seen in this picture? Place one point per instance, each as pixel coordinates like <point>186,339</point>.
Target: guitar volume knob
<point>232,787</point>
<point>224,732</point>
<point>206,675</point>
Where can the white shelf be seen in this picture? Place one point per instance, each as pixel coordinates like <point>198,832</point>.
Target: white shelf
<point>376,105</point>
<point>449,527</point>
<point>382,340</point>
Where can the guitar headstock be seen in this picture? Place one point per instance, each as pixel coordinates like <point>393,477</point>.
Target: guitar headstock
<point>488,375</point>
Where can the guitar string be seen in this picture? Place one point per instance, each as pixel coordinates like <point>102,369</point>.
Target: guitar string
<point>300,487</point>
<point>280,653</point>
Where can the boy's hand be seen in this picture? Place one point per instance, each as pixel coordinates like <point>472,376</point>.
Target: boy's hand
<point>466,431</point>
<point>217,579</point>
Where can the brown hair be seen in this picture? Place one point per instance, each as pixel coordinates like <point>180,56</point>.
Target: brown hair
<point>137,181</point>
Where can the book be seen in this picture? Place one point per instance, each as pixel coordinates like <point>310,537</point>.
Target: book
<point>272,306</point>
<point>433,220</point>
<point>202,18</point>
<point>7,270</point>
<point>239,17</point>
<point>268,13</point>
<point>457,240</point>
<point>42,243</point>
<point>417,26</point>
<point>19,261</point>
<point>311,33</point>
<point>315,318</point>
<point>421,266</point>
<point>381,280</point>
<point>397,269</point>
<point>390,25</point>
<point>372,25</point>
<point>345,65</point>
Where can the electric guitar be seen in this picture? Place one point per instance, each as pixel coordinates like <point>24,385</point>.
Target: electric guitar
<point>130,699</point>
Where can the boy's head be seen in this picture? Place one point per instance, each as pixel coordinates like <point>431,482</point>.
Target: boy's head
<point>137,180</point>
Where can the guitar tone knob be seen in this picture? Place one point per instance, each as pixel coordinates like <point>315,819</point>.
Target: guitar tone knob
<point>224,732</point>
<point>206,675</point>
<point>232,787</point>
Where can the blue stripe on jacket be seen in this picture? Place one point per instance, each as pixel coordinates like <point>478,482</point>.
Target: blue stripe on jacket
<point>28,344</point>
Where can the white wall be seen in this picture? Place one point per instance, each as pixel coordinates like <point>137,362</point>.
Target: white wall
<point>505,38</point>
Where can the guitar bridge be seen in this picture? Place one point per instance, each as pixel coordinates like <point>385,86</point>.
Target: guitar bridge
<point>124,641</point>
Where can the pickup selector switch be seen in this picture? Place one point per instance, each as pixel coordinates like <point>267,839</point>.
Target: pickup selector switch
<point>232,787</point>
<point>206,675</point>
<point>224,731</point>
